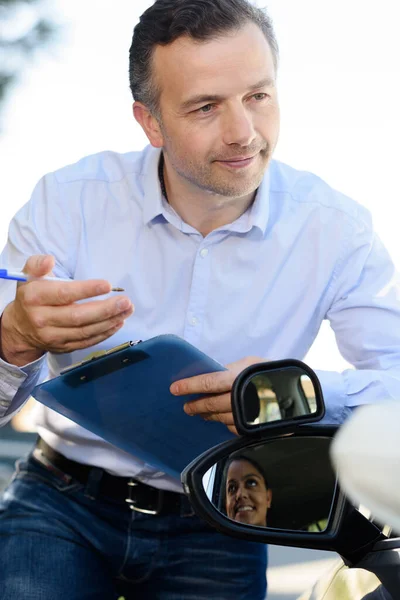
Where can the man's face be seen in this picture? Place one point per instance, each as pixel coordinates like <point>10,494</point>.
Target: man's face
<point>247,497</point>
<point>219,110</point>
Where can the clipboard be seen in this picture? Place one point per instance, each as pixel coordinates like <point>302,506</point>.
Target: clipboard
<point>122,395</point>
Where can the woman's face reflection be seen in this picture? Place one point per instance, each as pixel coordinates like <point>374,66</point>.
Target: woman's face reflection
<point>247,496</point>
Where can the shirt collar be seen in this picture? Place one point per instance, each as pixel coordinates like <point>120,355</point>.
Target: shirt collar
<point>257,214</point>
<point>155,205</point>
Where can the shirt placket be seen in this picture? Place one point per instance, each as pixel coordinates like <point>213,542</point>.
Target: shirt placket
<point>197,304</point>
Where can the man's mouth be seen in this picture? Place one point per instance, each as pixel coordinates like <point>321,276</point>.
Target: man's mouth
<point>238,162</point>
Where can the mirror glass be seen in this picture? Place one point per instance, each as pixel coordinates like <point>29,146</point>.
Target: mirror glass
<point>286,483</point>
<point>276,395</point>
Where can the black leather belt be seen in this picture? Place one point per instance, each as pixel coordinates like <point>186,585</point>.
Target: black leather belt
<point>133,493</point>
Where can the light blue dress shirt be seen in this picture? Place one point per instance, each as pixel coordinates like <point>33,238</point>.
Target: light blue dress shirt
<point>260,286</point>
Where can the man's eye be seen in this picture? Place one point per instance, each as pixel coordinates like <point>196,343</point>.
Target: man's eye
<point>260,96</point>
<point>205,109</point>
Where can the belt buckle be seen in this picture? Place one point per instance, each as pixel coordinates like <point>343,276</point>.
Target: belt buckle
<point>132,502</point>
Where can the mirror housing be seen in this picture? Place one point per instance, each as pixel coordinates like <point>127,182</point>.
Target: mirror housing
<point>347,531</point>
<point>269,395</point>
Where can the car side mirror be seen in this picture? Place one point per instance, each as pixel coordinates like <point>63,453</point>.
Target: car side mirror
<point>281,490</point>
<point>271,394</point>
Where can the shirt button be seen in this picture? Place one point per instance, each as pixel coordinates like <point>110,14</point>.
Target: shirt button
<point>4,403</point>
<point>194,321</point>
<point>203,253</point>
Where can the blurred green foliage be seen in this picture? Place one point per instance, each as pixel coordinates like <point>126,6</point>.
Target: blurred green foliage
<point>24,28</point>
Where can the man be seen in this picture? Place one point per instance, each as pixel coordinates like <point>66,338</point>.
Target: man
<point>212,240</point>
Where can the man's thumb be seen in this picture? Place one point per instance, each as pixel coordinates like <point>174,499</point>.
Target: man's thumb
<point>39,265</point>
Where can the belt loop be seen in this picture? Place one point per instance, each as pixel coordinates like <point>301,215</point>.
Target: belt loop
<point>93,483</point>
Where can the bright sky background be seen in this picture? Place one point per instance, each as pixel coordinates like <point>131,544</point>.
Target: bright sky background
<point>339,84</point>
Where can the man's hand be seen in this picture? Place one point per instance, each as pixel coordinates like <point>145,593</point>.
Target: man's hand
<point>216,406</point>
<point>45,315</point>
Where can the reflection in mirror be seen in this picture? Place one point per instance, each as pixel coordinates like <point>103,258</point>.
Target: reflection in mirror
<point>276,395</point>
<point>287,483</point>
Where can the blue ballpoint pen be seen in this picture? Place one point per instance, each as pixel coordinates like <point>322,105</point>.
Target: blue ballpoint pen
<point>20,276</point>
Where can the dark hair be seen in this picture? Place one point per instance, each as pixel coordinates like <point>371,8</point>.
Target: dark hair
<point>250,460</point>
<point>167,20</point>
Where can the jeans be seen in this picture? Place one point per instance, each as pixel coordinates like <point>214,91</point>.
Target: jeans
<point>56,542</point>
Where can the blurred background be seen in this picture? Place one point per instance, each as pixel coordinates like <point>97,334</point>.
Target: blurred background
<point>64,94</point>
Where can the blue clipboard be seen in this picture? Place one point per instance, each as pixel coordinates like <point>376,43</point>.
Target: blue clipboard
<point>123,396</point>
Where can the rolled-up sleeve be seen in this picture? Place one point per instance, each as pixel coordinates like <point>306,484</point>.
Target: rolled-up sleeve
<point>364,314</point>
<point>16,385</point>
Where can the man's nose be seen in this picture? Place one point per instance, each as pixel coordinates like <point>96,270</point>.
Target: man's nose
<point>238,127</point>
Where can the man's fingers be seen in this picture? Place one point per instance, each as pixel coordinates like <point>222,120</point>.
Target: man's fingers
<point>80,345</point>
<point>58,340</point>
<point>82,315</point>
<point>210,383</point>
<point>39,265</point>
<point>213,383</point>
<point>54,293</point>
<point>225,418</point>
<point>209,405</point>
<point>57,337</point>
<point>233,429</point>
<point>58,293</point>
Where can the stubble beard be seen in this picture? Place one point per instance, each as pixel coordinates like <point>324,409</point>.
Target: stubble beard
<point>211,180</point>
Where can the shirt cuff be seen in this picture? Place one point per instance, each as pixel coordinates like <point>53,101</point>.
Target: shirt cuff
<point>335,397</point>
<point>16,384</point>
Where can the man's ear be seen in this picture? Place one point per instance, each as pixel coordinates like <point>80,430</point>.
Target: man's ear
<point>149,124</point>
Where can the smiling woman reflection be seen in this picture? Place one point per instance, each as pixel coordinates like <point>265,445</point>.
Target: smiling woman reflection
<point>248,497</point>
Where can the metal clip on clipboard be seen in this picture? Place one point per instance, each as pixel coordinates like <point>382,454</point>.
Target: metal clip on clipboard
<point>75,374</point>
